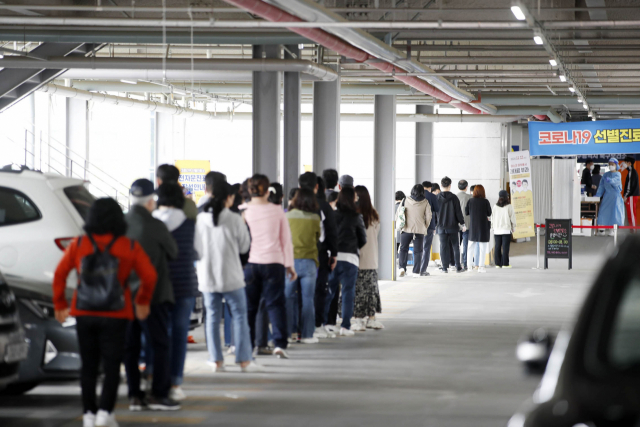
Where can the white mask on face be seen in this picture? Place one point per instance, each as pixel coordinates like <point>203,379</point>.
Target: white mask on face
<point>591,167</point>
<point>623,165</point>
<point>612,168</point>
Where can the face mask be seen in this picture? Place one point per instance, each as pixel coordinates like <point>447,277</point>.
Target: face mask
<point>612,168</point>
<point>591,167</point>
<point>623,165</point>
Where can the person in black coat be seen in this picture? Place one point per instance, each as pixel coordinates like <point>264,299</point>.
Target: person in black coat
<point>586,178</point>
<point>479,211</point>
<point>450,219</point>
<point>428,238</point>
<point>630,190</point>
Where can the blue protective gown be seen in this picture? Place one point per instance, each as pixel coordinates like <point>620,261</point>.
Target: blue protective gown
<point>611,204</point>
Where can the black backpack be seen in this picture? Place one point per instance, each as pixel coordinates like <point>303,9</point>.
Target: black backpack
<point>98,286</point>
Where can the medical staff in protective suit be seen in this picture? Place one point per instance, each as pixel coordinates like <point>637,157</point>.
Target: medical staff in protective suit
<point>611,203</point>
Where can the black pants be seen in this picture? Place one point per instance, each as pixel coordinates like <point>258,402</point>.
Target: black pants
<point>332,315</point>
<point>267,280</point>
<point>446,239</point>
<point>157,329</point>
<point>321,286</point>
<point>100,339</point>
<point>426,250</point>
<point>405,241</point>
<point>503,242</point>
<point>262,325</point>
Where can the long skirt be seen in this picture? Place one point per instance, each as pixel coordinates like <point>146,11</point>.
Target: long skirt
<point>367,302</point>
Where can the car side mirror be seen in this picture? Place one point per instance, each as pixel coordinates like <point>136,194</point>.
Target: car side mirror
<point>534,349</point>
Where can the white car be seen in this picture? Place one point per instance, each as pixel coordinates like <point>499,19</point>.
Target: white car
<point>40,213</point>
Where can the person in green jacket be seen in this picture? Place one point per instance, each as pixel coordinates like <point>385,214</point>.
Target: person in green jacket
<point>304,223</point>
<point>169,173</point>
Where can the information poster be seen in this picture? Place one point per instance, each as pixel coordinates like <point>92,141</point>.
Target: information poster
<point>521,193</point>
<point>192,173</point>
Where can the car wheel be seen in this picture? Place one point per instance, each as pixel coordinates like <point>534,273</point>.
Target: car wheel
<point>18,389</point>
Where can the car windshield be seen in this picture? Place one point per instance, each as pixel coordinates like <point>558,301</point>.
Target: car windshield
<point>80,198</point>
<point>624,344</point>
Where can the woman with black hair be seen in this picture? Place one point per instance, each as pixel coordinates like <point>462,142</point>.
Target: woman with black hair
<point>101,331</point>
<point>417,217</point>
<point>304,222</point>
<point>352,236</point>
<point>182,275</point>
<point>479,210</point>
<point>276,193</point>
<point>503,224</point>
<point>220,236</point>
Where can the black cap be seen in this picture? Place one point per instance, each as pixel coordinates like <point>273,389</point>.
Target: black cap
<point>141,188</point>
<point>503,194</point>
<point>629,159</point>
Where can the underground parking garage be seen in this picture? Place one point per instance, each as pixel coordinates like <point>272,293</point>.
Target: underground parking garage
<point>467,168</point>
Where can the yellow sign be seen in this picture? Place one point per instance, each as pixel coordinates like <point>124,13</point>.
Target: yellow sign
<point>192,173</point>
<point>521,193</point>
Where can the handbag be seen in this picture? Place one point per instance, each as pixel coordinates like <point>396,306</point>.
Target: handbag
<point>401,216</point>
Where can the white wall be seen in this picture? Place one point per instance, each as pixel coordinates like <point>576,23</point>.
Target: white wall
<point>468,151</point>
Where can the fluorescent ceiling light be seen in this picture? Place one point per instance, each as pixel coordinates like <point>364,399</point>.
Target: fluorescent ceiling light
<point>301,46</point>
<point>131,82</point>
<point>585,106</point>
<point>1,56</point>
<point>563,78</point>
<point>538,40</point>
<point>571,90</point>
<point>579,99</point>
<point>553,62</point>
<point>517,12</point>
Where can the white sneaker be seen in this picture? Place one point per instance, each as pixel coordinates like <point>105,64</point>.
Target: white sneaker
<point>346,332</point>
<point>215,367</point>
<point>403,272</point>
<point>280,353</point>
<point>331,332</point>
<point>89,419</point>
<point>253,367</point>
<point>358,325</point>
<point>320,333</point>
<point>482,270</point>
<point>105,419</point>
<point>177,394</point>
<point>312,340</point>
<point>374,324</point>
<point>231,350</point>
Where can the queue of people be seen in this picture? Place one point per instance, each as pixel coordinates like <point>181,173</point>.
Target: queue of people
<point>462,221</point>
<point>255,264</point>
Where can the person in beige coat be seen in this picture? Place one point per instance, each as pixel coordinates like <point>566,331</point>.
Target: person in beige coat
<point>417,212</point>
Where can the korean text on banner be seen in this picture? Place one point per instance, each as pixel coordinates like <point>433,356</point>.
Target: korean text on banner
<point>584,138</point>
<point>521,193</point>
<point>192,173</point>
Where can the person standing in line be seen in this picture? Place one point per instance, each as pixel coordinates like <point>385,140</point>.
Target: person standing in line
<point>367,302</point>
<point>352,236</point>
<point>170,174</point>
<point>304,223</point>
<point>221,236</point>
<point>183,278</point>
<point>160,246</point>
<point>431,231</point>
<point>476,253</point>
<point>330,177</point>
<point>418,218</point>
<point>270,260</point>
<point>479,211</point>
<point>450,219</point>
<point>332,199</point>
<point>101,327</point>
<point>209,180</point>
<point>464,198</point>
<point>611,210</point>
<point>503,224</point>
<point>586,179</point>
<point>631,190</point>
<point>276,193</point>
<point>595,177</point>
<point>400,196</point>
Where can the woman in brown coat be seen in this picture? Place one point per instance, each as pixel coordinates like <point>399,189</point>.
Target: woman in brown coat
<point>417,212</point>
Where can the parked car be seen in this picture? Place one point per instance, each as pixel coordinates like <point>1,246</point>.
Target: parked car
<point>39,215</point>
<point>53,347</point>
<point>13,344</point>
<point>592,377</point>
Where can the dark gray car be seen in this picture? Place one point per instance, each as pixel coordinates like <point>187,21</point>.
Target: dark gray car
<point>13,344</point>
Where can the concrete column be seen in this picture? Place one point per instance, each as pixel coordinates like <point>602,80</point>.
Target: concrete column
<point>424,146</point>
<point>292,117</point>
<point>384,178</point>
<point>266,116</point>
<point>326,125</point>
<point>77,131</point>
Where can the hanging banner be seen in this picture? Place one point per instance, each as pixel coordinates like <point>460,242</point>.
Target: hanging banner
<point>521,193</point>
<point>192,173</point>
<point>584,138</point>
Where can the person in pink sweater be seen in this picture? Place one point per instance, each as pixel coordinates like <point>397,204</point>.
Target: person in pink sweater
<point>270,258</point>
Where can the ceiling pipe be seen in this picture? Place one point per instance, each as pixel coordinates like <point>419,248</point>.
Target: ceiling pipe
<point>294,65</point>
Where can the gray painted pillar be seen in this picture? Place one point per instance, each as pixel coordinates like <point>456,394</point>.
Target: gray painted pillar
<point>424,146</point>
<point>384,178</point>
<point>77,131</point>
<point>266,116</point>
<point>326,125</point>
<point>292,117</point>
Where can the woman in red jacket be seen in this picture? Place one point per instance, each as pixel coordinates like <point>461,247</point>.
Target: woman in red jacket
<point>101,327</point>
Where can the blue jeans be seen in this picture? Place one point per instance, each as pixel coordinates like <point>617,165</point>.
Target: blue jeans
<point>179,321</point>
<point>465,245</point>
<point>346,274</point>
<point>306,284</point>
<point>237,302</point>
<point>228,331</point>
<point>267,280</point>
<point>480,250</point>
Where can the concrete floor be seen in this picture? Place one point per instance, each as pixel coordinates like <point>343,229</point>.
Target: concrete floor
<point>446,358</point>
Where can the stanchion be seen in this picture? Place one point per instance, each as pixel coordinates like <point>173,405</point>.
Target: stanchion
<point>393,249</point>
<point>615,235</point>
<point>537,248</point>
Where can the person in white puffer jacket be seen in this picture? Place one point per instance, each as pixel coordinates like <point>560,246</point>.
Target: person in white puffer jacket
<point>503,224</point>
